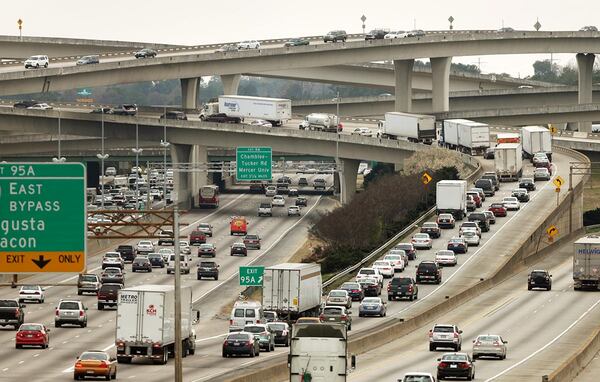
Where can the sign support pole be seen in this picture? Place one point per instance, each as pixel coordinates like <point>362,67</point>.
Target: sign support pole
<point>178,343</point>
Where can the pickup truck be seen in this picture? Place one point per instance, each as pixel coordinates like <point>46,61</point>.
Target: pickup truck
<point>402,287</point>
<point>127,252</point>
<point>11,313</point>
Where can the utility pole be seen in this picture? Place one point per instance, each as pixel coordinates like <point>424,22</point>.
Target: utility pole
<point>178,343</point>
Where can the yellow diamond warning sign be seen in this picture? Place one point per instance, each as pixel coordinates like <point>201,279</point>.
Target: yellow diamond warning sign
<point>426,178</point>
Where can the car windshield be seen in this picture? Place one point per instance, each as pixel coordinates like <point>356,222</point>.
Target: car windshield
<point>8,304</point>
<point>145,243</point>
<point>69,305</point>
<point>454,357</point>
<point>110,288</point>
<point>350,286</point>
<point>154,256</point>
<point>29,287</point>
<point>417,378</point>
<point>429,225</point>
<point>538,274</point>
<point>367,272</point>
<point>254,329</point>
<point>421,236</point>
<point>140,260</point>
<point>445,216</point>
<point>445,253</point>
<point>371,300</point>
<point>496,205</point>
<point>510,199</point>
<point>469,233</point>
<point>381,263</point>
<point>30,327</point>
<point>488,338</point>
<point>392,257</point>
<point>93,356</point>
<point>206,246</point>
<point>277,326</point>
<point>404,246</point>
<point>238,313</point>
<point>207,264</point>
<point>337,293</point>
<point>456,240</point>
<point>112,270</point>
<point>251,237</point>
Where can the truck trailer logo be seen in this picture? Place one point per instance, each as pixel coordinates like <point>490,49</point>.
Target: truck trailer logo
<point>590,251</point>
<point>151,311</point>
<point>231,106</point>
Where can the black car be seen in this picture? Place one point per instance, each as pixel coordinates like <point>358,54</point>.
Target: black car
<point>455,365</point>
<point>376,34</point>
<point>208,269</point>
<point>238,249</point>
<point>145,53</point>
<point>370,287</point>
<point>156,260</point>
<point>296,42</point>
<point>282,333</point>
<point>402,287</point>
<point>493,177</point>
<point>180,115</point>
<point>127,252</point>
<point>335,36</point>
<point>354,290</point>
<point>539,279</point>
<point>429,271</point>
<point>489,153</point>
<point>486,185</point>
<point>241,343</point>
<point>25,104</point>
<point>527,183</point>
<point>221,118</point>
<point>481,219</point>
<point>141,264</point>
<point>521,194</point>
<point>301,201</point>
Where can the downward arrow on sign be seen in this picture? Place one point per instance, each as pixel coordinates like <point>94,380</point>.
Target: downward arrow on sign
<point>40,262</point>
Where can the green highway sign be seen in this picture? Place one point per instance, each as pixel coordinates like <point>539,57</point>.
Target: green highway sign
<point>253,163</point>
<point>43,223</point>
<point>251,276</point>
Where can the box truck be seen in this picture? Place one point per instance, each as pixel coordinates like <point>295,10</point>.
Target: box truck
<point>275,110</point>
<point>292,290</point>
<point>451,197</point>
<point>508,160</point>
<point>318,352</point>
<point>321,122</point>
<point>414,127</point>
<point>586,263</point>
<point>536,139</point>
<point>466,136</point>
<point>146,323</point>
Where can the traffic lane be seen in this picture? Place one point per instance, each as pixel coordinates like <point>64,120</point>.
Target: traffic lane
<point>398,307</point>
<point>502,310</point>
<point>108,331</point>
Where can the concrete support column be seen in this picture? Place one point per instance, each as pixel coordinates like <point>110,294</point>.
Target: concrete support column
<point>585,66</point>
<point>230,82</point>
<point>181,187</point>
<point>347,179</point>
<point>189,92</point>
<point>198,179</point>
<point>440,83</point>
<point>403,70</point>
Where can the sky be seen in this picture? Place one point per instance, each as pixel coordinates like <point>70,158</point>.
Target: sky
<point>192,22</point>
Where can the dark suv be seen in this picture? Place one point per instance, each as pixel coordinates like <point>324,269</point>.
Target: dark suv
<point>401,287</point>
<point>539,279</point>
<point>429,271</point>
<point>180,115</point>
<point>527,183</point>
<point>208,269</point>
<point>108,295</point>
<point>481,219</point>
<point>127,252</point>
<point>376,34</point>
<point>335,36</point>
<point>486,185</point>
<point>493,177</point>
<point>222,118</point>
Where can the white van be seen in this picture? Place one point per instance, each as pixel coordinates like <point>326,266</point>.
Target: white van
<point>185,265</point>
<point>246,313</point>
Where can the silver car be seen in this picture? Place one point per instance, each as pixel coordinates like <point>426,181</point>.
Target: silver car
<point>339,297</point>
<point>70,312</point>
<point>371,306</point>
<point>511,203</point>
<point>470,237</point>
<point>491,345</point>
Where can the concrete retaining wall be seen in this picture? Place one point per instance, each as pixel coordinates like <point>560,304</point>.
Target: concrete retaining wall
<point>569,369</point>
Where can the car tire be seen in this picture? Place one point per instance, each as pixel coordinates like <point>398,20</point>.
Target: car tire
<point>84,325</point>
<point>79,293</point>
<point>529,287</point>
<point>272,347</point>
<point>100,306</point>
<point>107,377</point>
<point>475,356</point>
<point>432,348</point>
<point>252,353</point>
<point>224,354</point>
<point>389,298</point>
<point>114,376</point>
<point>17,346</point>
<point>549,288</point>
<point>57,325</point>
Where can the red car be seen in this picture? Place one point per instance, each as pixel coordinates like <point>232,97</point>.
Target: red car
<point>476,197</point>
<point>32,335</point>
<point>446,221</point>
<point>197,237</point>
<point>498,209</point>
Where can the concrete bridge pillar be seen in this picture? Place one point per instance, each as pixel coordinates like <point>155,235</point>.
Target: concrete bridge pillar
<point>347,179</point>
<point>440,83</point>
<point>403,70</point>
<point>189,92</point>
<point>585,66</point>
<point>198,179</point>
<point>181,183</point>
<point>230,82</point>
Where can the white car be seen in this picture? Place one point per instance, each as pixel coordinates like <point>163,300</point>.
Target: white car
<point>261,122</point>
<point>446,258</point>
<point>393,35</point>
<point>31,293</point>
<point>469,225</point>
<point>363,131</point>
<point>111,171</point>
<point>278,201</point>
<point>511,203</point>
<point>417,377</point>
<point>471,237</point>
<point>113,260</point>
<point>366,273</point>
<point>271,191</point>
<point>384,267</point>
<point>37,62</point>
<point>397,262</point>
<point>145,246</point>
<point>250,44</point>
<point>293,211</point>
<point>165,253</point>
<point>40,106</point>
<point>540,173</point>
<point>422,241</point>
<point>184,247</point>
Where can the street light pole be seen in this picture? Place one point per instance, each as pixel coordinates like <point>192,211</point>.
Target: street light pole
<point>178,343</point>
<point>165,144</point>
<point>137,152</point>
<point>102,158</point>
<point>337,147</point>
<point>59,158</point>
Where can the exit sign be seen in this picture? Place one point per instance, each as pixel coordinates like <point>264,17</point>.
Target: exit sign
<point>253,163</point>
<point>42,217</point>
<point>251,276</point>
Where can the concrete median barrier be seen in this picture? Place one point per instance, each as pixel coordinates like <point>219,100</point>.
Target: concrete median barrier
<point>569,369</point>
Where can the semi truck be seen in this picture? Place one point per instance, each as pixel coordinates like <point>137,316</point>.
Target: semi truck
<point>414,127</point>
<point>536,139</point>
<point>292,290</point>
<point>586,263</point>
<point>146,323</point>
<point>451,197</point>
<point>466,136</point>
<point>508,160</point>
<point>321,122</point>
<point>275,110</point>
<point>318,352</point>
<point>508,138</point>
